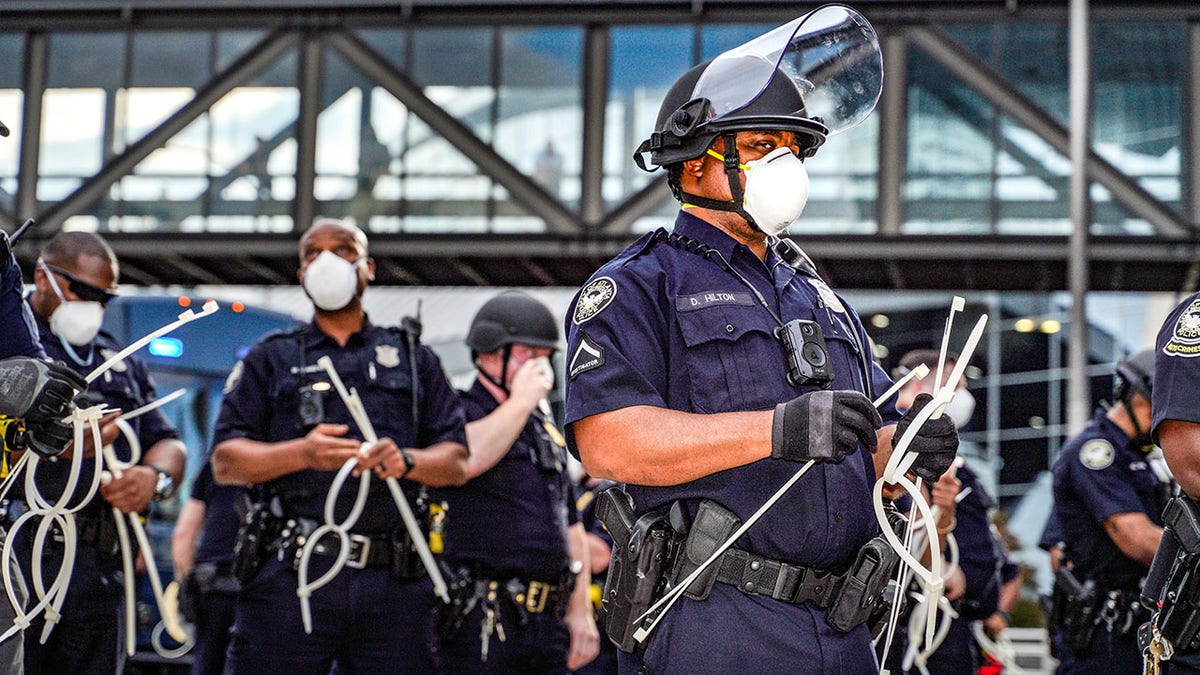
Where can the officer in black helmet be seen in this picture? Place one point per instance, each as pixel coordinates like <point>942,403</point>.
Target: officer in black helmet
<point>513,537</point>
<point>705,366</point>
<point>1108,500</point>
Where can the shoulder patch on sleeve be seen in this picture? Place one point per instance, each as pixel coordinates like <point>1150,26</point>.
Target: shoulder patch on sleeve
<point>235,376</point>
<point>588,355</point>
<point>1097,454</point>
<point>1185,339</point>
<point>594,297</point>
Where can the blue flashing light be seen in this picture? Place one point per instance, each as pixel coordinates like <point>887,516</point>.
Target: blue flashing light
<point>167,347</point>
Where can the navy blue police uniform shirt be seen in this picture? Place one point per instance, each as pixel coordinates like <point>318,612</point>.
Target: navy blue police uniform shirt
<point>1177,366</point>
<point>262,403</point>
<point>220,517</point>
<point>19,333</point>
<point>125,386</point>
<point>1098,474</point>
<point>662,326</point>
<point>512,519</point>
<point>980,555</point>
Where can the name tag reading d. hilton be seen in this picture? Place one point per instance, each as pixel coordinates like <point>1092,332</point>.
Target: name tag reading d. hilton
<point>691,303</point>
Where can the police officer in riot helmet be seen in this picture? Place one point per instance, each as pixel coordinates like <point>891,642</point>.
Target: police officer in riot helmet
<point>1108,501</point>
<point>513,536</point>
<point>1173,585</point>
<point>707,364</point>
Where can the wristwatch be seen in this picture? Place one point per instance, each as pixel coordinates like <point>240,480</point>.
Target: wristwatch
<point>165,487</point>
<point>409,462</point>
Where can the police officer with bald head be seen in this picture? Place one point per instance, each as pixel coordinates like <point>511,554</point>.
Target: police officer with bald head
<point>513,532</point>
<point>706,365</point>
<point>284,430</point>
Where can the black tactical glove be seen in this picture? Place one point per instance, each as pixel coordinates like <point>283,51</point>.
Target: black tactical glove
<point>823,426</point>
<point>36,390</point>
<point>49,438</point>
<point>936,442</point>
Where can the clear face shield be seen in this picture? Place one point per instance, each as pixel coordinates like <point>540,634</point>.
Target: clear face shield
<point>831,54</point>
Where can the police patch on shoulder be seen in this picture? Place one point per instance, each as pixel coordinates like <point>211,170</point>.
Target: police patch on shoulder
<point>827,295</point>
<point>106,354</point>
<point>1185,340</point>
<point>235,376</point>
<point>1097,454</point>
<point>594,298</point>
<point>588,355</point>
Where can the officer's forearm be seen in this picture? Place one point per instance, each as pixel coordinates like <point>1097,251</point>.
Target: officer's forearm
<point>241,461</point>
<point>1135,535</point>
<point>439,465</point>
<point>183,537</point>
<point>645,445</point>
<point>169,455</point>
<point>1009,593</point>
<point>490,437</point>
<point>577,547</point>
<point>1180,442</point>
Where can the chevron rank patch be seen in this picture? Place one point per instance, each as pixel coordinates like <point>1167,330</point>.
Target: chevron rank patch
<point>588,355</point>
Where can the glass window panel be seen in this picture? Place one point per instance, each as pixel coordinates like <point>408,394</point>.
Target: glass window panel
<point>232,44</point>
<point>72,129</point>
<point>171,59</point>
<point>390,43</point>
<point>1033,57</point>
<point>12,55</point>
<point>717,39</point>
<point>539,110</point>
<point>644,61</point>
<point>455,66</point>
<point>138,111</point>
<point>86,60</point>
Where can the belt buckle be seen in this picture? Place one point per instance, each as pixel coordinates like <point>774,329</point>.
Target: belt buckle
<point>535,597</point>
<point>364,550</point>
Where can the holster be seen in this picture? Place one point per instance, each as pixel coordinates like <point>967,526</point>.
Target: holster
<point>257,531</point>
<point>862,594</point>
<point>642,555</point>
<point>1075,608</point>
<point>448,616</point>
<point>710,528</point>
<point>1178,619</point>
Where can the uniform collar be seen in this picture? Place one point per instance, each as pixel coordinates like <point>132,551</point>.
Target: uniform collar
<point>314,336</point>
<point>706,233</point>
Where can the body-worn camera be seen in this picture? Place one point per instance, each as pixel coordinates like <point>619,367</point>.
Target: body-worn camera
<point>311,406</point>
<point>807,357</point>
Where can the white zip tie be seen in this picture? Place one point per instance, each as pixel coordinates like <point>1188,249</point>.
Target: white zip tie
<point>186,317</point>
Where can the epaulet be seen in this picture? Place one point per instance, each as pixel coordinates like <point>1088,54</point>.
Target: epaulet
<point>290,331</point>
<point>643,245</point>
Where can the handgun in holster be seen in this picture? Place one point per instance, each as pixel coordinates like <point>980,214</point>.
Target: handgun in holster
<point>1178,619</point>
<point>641,558</point>
<point>1075,608</point>
<point>257,531</point>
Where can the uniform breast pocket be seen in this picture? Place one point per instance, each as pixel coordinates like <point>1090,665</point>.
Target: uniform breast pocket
<point>388,400</point>
<point>734,361</point>
<point>842,350</point>
<point>288,420</point>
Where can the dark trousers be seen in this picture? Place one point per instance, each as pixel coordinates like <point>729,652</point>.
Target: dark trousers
<point>364,620</point>
<point>732,632</point>
<point>214,619</point>
<point>1108,653</point>
<point>540,646</point>
<point>89,637</point>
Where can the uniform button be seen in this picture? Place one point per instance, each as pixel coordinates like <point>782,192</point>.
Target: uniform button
<point>728,328</point>
<point>837,516</point>
<point>749,585</point>
<point>755,565</point>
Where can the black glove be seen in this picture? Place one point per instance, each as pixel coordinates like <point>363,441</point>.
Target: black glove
<point>36,390</point>
<point>823,425</point>
<point>936,442</point>
<point>49,438</point>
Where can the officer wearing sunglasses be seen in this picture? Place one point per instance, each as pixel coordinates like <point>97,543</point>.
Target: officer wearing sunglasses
<point>75,278</point>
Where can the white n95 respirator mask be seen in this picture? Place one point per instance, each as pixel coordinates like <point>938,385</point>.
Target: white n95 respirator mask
<point>330,281</point>
<point>776,190</point>
<point>76,321</point>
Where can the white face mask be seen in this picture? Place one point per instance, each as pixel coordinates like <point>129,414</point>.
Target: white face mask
<point>75,321</point>
<point>776,190</point>
<point>331,282</point>
<point>960,408</point>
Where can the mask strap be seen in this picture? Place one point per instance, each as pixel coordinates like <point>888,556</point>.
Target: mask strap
<point>53,281</point>
<point>506,355</point>
<point>733,168</point>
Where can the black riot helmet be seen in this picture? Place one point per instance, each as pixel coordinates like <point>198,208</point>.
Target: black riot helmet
<point>1135,374</point>
<point>687,124</point>
<point>512,318</point>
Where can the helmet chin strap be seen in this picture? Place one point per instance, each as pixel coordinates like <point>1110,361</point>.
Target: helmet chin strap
<point>733,168</point>
<point>506,355</point>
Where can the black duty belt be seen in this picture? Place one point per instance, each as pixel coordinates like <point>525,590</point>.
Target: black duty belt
<point>365,551</point>
<point>756,575</point>
<point>535,597</point>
